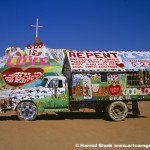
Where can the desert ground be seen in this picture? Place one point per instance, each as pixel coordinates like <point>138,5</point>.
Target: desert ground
<point>68,130</point>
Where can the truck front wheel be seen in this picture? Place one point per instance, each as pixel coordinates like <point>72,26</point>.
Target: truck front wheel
<point>26,110</point>
<point>117,111</point>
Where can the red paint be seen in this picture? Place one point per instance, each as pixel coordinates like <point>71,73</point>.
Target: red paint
<point>107,55</point>
<point>97,55</point>
<point>36,45</point>
<point>29,46</point>
<point>114,90</point>
<point>121,65</point>
<point>80,55</point>
<point>72,54</point>
<point>19,77</point>
<point>18,54</point>
<point>74,88</point>
<point>40,45</point>
<point>145,90</point>
<point>92,55</point>
<point>114,54</point>
<point>89,55</point>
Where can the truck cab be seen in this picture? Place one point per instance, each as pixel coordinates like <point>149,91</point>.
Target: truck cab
<point>56,84</point>
<point>50,96</point>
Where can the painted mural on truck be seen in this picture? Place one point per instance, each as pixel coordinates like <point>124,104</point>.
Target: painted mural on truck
<point>110,75</point>
<point>108,60</point>
<point>24,68</point>
<point>51,94</point>
<point>23,72</point>
<point>108,86</point>
<point>35,74</point>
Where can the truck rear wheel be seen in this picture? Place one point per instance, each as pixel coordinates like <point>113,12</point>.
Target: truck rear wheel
<point>26,110</point>
<point>117,111</point>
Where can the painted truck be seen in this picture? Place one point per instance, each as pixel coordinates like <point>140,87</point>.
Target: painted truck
<point>39,79</point>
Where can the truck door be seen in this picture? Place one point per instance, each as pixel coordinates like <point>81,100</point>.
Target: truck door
<point>59,97</point>
<point>56,86</point>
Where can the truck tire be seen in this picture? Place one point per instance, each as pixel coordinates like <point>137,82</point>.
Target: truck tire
<point>26,110</point>
<point>117,111</point>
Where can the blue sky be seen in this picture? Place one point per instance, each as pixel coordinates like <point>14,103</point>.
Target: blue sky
<point>76,24</point>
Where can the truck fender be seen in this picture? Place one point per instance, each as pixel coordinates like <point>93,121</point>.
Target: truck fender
<point>24,101</point>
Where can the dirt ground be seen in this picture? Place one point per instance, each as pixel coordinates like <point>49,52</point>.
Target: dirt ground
<point>67,131</point>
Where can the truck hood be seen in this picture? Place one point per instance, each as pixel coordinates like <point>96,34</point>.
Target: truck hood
<point>30,94</point>
<point>5,93</point>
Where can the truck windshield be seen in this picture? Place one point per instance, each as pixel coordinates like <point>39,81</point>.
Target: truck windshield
<point>44,81</point>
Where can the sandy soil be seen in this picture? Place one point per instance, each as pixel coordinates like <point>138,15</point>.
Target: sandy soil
<point>62,131</point>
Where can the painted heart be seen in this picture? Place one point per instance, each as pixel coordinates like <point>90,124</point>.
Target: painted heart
<point>114,89</point>
<point>19,77</point>
<point>121,65</point>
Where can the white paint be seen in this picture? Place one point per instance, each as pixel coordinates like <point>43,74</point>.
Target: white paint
<point>130,91</point>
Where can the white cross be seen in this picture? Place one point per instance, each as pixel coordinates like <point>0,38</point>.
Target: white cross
<point>37,26</point>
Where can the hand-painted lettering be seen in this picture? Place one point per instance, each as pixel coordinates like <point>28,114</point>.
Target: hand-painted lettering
<point>22,60</point>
